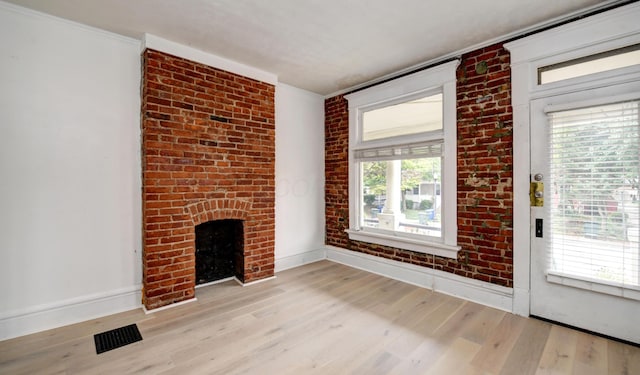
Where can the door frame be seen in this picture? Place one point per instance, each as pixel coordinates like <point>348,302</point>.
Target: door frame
<point>599,33</point>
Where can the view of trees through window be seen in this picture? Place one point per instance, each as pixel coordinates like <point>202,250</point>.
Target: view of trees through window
<point>594,178</point>
<point>419,192</point>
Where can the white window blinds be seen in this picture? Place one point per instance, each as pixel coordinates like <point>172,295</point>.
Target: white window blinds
<point>398,152</point>
<point>594,216</point>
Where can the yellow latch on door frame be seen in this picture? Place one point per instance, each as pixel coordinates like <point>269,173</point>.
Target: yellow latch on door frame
<point>536,194</point>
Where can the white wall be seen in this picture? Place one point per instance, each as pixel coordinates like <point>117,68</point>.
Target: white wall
<point>70,210</point>
<point>299,177</point>
<point>70,201</point>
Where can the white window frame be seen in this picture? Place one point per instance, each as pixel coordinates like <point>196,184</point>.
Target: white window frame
<point>441,78</point>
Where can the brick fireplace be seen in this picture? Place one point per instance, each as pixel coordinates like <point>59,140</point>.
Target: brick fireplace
<point>208,153</point>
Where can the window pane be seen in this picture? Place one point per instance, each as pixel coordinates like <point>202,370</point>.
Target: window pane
<point>592,64</point>
<point>594,212</point>
<point>416,194</point>
<point>416,116</point>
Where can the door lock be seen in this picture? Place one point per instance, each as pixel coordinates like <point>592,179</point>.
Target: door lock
<point>539,228</point>
<point>536,194</point>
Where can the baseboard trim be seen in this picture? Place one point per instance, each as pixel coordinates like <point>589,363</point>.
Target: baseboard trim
<point>48,316</point>
<point>444,282</point>
<point>521,298</point>
<point>301,259</point>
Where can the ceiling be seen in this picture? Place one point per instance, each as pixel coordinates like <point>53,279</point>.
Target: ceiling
<point>324,46</point>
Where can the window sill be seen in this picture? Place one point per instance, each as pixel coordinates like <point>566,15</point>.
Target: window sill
<point>425,247</point>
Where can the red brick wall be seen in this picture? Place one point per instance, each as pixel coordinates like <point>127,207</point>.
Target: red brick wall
<point>208,149</point>
<point>336,171</point>
<point>484,158</point>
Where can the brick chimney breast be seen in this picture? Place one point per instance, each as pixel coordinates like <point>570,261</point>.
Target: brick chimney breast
<point>208,153</point>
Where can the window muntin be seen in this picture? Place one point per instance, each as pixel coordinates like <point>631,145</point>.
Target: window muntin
<point>598,63</point>
<point>411,117</point>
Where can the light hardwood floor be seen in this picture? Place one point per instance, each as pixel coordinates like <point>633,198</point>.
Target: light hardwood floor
<point>322,318</point>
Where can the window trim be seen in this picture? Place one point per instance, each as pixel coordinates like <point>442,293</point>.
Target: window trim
<point>441,78</point>
<point>587,59</point>
<point>557,53</point>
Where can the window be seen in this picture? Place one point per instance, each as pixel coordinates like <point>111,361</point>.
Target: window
<point>594,175</point>
<point>411,117</point>
<point>402,148</point>
<point>601,62</point>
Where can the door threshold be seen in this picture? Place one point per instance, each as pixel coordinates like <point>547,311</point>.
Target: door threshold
<point>622,341</point>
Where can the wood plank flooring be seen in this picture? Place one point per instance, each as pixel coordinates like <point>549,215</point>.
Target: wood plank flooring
<point>322,318</point>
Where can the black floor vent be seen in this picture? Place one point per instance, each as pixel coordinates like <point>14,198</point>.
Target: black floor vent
<point>116,338</point>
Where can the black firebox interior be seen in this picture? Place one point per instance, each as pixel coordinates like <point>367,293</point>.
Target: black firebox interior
<point>219,245</point>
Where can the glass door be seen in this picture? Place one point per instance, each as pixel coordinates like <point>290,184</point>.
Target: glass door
<point>585,165</point>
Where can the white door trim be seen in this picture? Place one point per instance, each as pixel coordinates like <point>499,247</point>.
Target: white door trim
<point>601,32</point>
